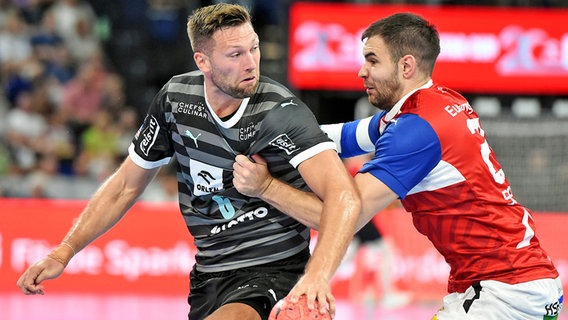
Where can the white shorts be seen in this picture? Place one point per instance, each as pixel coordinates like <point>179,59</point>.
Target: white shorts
<point>494,300</point>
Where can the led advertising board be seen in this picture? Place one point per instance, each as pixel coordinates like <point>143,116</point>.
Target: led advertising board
<point>483,49</point>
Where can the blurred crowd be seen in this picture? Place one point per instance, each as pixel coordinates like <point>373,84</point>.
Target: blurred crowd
<point>69,72</point>
<point>62,109</point>
<point>76,76</point>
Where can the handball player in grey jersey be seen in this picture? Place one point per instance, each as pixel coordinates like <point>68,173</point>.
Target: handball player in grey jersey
<point>249,255</point>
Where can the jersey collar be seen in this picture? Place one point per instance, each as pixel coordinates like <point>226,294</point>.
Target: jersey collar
<point>396,108</point>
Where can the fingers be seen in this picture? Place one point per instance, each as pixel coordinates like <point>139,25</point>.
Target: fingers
<point>243,161</point>
<point>29,282</point>
<point>258,159</point>
<point>314,292</point>
<point>331,305</point>
<point>47,268</point>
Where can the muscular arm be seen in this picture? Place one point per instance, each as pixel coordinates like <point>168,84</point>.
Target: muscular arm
<point>107,206</point>
<point>327,177</point>
<point>338,212</point>
<point>253,179</point>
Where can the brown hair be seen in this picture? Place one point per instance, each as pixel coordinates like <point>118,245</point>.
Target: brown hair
<point>204,21</point>
<point>407,33</point>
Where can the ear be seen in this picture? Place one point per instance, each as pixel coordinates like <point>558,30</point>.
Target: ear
<point>408,66</point>
<point>202,61</point>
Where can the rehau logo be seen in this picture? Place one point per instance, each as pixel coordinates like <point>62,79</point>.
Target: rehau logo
<point>285,143</point>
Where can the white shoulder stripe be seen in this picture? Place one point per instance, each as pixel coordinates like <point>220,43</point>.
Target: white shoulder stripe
<point>312,152</point>
<point>443,175</point>
<point>362,134</point>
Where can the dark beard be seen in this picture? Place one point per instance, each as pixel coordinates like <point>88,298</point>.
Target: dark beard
<point>235,92</point>
<point>387,99</point>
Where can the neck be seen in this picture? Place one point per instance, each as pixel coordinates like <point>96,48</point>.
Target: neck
<point>221,103</point>
<point>413,84</point>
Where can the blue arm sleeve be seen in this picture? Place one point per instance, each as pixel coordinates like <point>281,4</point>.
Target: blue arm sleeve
<point>405,154</point>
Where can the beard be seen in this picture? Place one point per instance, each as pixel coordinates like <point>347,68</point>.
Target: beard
<point>388,95</point>
<point>233,90</point>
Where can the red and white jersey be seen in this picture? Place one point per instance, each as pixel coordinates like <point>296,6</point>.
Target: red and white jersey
<point>432,151</point>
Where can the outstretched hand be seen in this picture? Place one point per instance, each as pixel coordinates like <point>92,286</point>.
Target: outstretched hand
<point>251,178</point>
<point>44,269</point>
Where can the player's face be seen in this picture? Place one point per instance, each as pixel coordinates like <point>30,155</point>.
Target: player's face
<point>235,60</point>
<point>380,74</point>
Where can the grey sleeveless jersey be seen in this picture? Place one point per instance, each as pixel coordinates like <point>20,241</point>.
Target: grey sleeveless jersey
<point>230,230</point>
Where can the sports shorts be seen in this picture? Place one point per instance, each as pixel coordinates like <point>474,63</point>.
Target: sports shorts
<point>494,300</point>
<point>259,286</point>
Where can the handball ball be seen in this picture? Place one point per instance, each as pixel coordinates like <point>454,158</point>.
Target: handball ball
<point>286,310</point>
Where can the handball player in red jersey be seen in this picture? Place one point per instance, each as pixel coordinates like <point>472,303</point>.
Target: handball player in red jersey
<point>431,152</point>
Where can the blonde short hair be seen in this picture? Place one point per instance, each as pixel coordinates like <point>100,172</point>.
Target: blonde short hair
<point>203,22</point>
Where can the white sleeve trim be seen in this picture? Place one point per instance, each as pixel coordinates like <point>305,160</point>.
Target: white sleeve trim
<point>145,164</point>
<point>333,131</point>
<point>362,135</point>
<point>301,157</point>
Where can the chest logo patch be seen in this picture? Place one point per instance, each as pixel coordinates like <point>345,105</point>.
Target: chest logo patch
<point>206,178</point>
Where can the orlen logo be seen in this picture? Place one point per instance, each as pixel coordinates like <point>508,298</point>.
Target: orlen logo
<point>257,213</point>
<point>149,134</point>
<point>285,143</point>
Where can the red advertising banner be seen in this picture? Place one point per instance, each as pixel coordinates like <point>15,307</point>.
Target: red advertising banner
<point>151,252</point>
<point>483,49</point>
<point>148,251</point>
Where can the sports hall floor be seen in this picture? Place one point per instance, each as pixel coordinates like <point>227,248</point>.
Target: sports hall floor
<point>111,307</point>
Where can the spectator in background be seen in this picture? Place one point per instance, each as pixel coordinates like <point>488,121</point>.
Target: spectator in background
<point>16,60</point>
<point>68,15</point>
<point>98,156</point>
<point>126,127</point>
<point>51,50</point>
<point>24,130</point>
<point>82,97</point>
<point>38,181</point>
<point>58,141</point>
<point>15,44</point>
<point>114,99</point>
<point>85,43</point>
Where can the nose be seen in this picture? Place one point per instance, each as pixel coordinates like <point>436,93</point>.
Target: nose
<point>251,61</point>
<point>362,72</point>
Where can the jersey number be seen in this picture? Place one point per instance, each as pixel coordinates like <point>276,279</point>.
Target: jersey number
<point>225,206</point>
<point>499,177</point>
